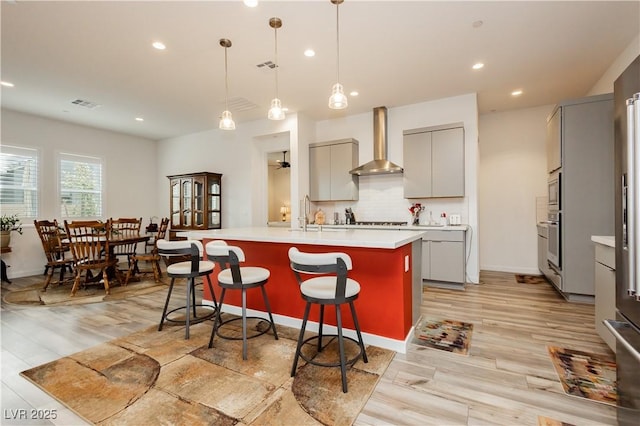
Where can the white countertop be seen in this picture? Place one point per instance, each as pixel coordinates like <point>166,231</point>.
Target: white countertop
<point>396,228</point>
<point>370,238</point>
<point>606,240</point>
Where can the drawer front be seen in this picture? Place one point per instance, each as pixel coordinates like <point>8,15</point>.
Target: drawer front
<point>606,255</point>
<point>444,235</point>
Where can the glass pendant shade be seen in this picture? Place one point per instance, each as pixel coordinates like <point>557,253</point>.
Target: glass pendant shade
<point>226,121</point>
<point>276,112</point>
<point>338,100</point>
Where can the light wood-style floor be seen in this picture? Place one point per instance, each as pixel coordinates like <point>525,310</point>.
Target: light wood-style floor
<point>507,378</point>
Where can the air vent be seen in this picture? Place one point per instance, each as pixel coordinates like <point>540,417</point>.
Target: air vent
<point>241,104</point>
<point>85,104</point>
<point>269,64</point>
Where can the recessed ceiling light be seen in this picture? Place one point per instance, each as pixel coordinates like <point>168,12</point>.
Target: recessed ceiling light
<point>516,92</point>
<point>6,84</point>
<point>477,24</point>
<point>309,53</point>
<point>159,45</point>
<point>354,93</point>
<point>139,119</point>
<point>478,66</point>
<point>251,3</point>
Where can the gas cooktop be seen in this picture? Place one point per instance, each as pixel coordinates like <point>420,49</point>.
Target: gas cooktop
<point>381,223</point>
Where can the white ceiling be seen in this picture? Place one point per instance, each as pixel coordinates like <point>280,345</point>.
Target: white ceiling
<point>393,52</point>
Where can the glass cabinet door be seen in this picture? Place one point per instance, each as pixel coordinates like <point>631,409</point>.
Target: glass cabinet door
<point>198,201</point>
<point>175,203</point>
<point>186,202</point>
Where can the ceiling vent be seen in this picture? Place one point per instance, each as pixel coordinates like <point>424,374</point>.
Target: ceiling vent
<point>241,104</point>
<point>267,64</point>
<point>85,104</point>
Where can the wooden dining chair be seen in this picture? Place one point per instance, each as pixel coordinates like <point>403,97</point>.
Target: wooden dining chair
<point>125,227</point>
<point>89,244</point>
<point>54,250</point>
<point>152,257</point>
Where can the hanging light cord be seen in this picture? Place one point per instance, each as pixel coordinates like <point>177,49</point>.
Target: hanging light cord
<point>226,81</point>
<point>337,43</point>
<point>277,66</point>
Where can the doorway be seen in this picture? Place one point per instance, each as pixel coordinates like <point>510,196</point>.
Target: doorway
<point>279,188</point>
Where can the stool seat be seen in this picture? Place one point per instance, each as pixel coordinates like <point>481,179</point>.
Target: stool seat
<point>325,288</point>
<point>184,268</point>
<point>250,275</point>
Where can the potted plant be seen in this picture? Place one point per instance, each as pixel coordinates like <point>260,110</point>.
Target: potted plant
<point>9,223</point>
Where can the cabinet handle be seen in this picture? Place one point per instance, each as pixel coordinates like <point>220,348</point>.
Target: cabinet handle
<point>613,326</point>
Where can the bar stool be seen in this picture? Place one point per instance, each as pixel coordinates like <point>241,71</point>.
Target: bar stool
<point>332,288</point>
<point>235,277</point>
<point>189,269</point>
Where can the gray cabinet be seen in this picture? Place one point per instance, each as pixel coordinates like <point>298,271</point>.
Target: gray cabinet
<point>433,159</point>
<point>329,166</point>
<point>605,283</point>
<point>443,256</point>
<point>586,199</point>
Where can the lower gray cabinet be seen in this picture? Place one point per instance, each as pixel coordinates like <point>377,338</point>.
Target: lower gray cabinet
<point>443,256</point>
<point>605,288</point>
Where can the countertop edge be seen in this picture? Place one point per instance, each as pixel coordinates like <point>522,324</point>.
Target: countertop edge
<point>605,240</point>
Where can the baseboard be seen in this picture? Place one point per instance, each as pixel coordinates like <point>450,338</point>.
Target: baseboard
<point>516,270</point>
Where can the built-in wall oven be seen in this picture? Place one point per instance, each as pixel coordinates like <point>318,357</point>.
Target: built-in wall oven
<point>554,248</point>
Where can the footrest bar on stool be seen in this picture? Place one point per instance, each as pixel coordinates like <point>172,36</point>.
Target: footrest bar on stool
<point>192,319</point>
<point>260,333</point>
<point>327,364</point>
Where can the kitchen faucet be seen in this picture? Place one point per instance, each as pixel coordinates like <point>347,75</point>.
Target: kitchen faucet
<point>306,211</point>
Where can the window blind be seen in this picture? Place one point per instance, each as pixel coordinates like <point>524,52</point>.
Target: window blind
<point>19,181</point>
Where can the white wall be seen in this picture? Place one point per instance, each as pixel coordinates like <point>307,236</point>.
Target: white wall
<point>513,172</point>
<point>605,84</point>
<point>130,176</point>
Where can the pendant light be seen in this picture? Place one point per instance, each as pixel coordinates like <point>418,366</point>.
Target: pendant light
<point>276,112</point>
<point>337,100</point>
<point>226,121</point>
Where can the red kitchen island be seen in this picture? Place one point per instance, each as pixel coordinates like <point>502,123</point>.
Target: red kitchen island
<point>386,263</point>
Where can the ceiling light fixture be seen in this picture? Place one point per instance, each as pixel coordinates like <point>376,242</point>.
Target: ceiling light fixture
<point>309,53</point>
<point>159,45</point>
<point>276,112</point>
<point>337,100</point>
<point>251,3</point>
<point>226,121</point>
<point>516,92</point>
<point>6,84</point>
<point>478,66</point>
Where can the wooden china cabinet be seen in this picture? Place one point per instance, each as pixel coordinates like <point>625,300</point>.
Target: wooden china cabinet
<point>195,202</point>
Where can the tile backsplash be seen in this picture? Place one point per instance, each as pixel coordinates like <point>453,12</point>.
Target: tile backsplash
<point>381,198</point>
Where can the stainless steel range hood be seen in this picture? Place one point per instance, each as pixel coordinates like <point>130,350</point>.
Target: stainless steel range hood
<point>380,165</point>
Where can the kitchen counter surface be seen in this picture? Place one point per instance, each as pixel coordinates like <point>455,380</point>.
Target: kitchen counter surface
<point>607,240</point>
<point>329,236</point>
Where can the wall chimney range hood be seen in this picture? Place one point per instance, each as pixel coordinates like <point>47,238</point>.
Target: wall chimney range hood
<point>380,165</point>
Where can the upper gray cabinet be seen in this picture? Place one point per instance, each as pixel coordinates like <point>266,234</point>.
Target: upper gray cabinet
<point>433,159</point>
<point>554,141</point>
<point>329,166</point>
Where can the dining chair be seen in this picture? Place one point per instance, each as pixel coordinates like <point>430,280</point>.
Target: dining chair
<point>190,269</point>
<point>125,227</point>
<point>54,250</point>
<point>89,244</point>
<point>236,277</point>
<point>328,284</point>
<point>152,257</point>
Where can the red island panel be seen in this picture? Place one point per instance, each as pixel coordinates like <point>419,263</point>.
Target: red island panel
<point>384,303</point>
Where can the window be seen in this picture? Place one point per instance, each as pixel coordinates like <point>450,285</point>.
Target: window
<point>19,181</point>
<point>80,186</point>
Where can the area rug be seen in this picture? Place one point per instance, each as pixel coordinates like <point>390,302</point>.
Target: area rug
<point>58,295</point>
<point>531,279</point>
<point>152,377</point>
<point>586,375</point>
<point>446,335</point>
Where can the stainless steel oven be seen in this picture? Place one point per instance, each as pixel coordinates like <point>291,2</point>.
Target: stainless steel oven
<point>554,247</point>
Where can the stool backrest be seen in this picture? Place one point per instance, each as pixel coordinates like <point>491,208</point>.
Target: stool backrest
<point>322,263</point>
<point>226,256</point>
<point>185,248</point>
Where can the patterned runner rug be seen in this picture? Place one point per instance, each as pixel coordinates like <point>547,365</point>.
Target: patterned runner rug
<point>587,375</point>
<point>531,279</point>
<point>152,377</point>
<point>446,335</point>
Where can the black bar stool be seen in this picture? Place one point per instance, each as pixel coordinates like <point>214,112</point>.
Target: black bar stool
<point>189,269</point>
<point>235,277</point>
<point>332,288</point>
